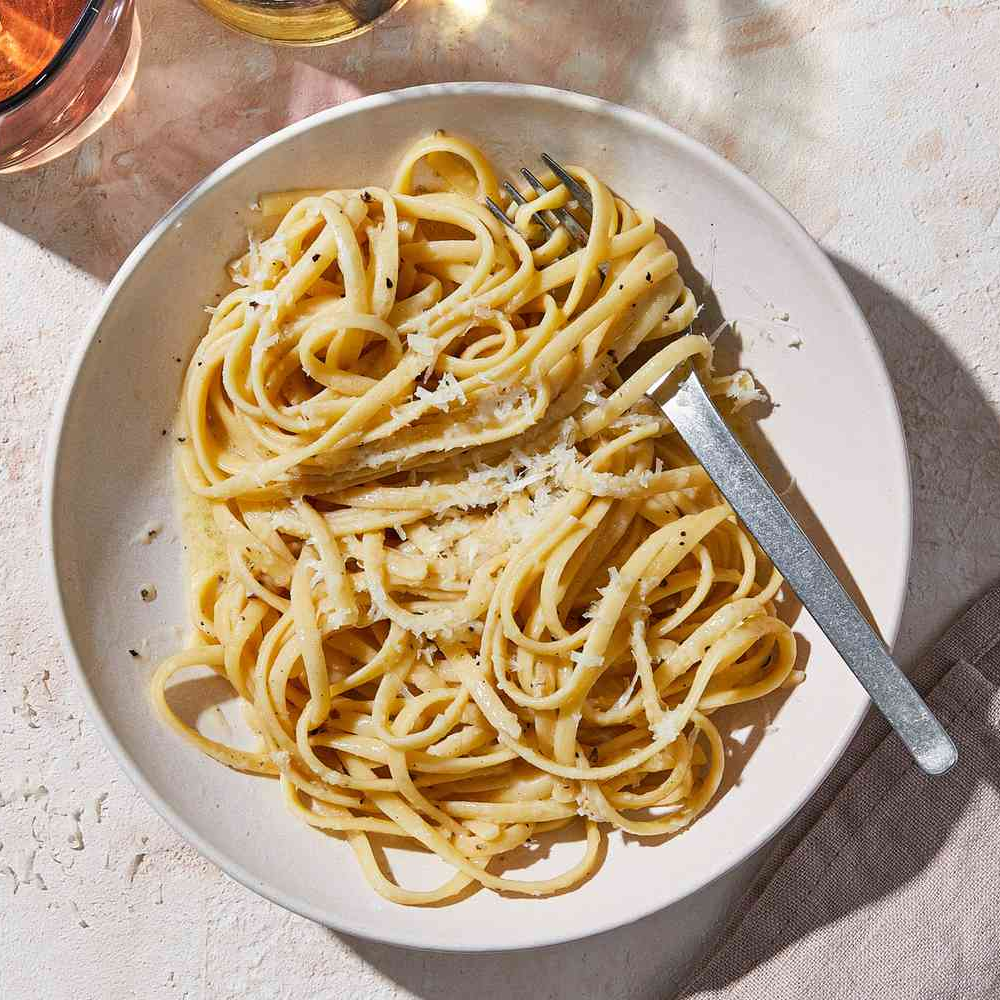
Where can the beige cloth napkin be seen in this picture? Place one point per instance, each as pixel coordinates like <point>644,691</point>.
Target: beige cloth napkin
<point>887,884</point>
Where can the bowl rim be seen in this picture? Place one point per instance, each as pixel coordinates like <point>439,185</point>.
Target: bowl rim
<point>577,101</point>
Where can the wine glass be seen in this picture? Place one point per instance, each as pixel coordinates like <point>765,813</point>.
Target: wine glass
<point>65,67</point>
<point>301,22</point>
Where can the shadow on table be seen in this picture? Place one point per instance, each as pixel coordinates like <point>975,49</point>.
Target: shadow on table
<point>640,961</point>
<point>193,106</point>
<point>953,439</point>
<point>922,368</point>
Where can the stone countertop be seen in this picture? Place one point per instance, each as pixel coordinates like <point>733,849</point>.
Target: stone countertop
<point>875,122</point>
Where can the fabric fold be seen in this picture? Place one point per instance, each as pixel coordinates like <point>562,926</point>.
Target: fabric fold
<point>887,883</point>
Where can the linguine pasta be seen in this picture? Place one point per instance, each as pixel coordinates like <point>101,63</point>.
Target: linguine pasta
<point>468,584</point>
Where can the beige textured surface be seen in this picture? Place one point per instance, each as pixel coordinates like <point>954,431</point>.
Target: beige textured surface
<point>875,122</point>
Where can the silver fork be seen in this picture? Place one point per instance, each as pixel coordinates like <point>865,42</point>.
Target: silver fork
<point>690,409</point>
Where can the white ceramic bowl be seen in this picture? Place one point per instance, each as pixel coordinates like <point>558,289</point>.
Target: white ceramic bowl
<point>836,429</point>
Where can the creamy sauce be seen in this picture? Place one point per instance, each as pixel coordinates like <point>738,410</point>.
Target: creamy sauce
<point>204,551</point>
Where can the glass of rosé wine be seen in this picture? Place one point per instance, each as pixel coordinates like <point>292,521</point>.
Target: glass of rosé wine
<point>65,67</point>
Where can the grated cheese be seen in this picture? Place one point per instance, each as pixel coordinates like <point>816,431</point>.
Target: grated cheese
<point>665,728</point>
<point>147,533</point>
<point>447,392</point>
<point>421,344</point>
<point>744,392</point>
<point>626,696</point>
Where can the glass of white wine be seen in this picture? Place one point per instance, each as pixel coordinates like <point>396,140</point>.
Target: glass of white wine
<point>301,22</point>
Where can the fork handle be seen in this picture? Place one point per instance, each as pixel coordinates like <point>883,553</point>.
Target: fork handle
<point>698,422</point>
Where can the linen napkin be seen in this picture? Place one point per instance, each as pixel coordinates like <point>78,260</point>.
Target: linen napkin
<point>887,884</point>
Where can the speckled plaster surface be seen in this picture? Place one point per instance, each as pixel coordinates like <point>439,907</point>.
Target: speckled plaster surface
<point>875,122</point>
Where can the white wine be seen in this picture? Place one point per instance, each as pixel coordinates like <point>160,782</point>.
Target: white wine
<point>301,22</point>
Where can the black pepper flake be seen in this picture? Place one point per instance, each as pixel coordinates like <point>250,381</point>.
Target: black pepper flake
<point>181,440</point>
<point>253,305</point>
<point>366,196</point>
<point>621,288</point>
<point>178,360</point>
<point>388,282</point>
<point>200,363</point>
<point>163,433</point>
<point>133,653</point>
<point>683,534</point>
<point>315,257</point>
<point>649,276</point>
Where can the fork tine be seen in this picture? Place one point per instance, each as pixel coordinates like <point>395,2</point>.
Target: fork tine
<point>513,192</point>
<point>498,212</point>
<point>520,200</point>
<point>580,193</point>
<point>575,229</point>
<point>578,233</point>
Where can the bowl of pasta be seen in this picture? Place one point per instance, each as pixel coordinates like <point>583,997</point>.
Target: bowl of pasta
<point>397,597</point>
